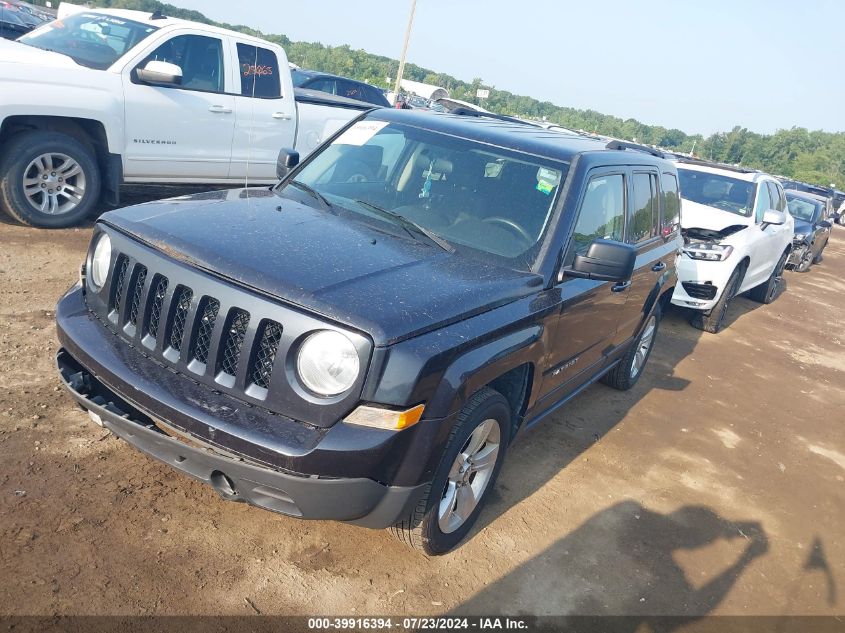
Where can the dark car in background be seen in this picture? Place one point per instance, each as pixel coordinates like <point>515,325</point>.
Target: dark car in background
<point>812,229</point>
<point>24,12</point>
<point>12,25</point>
<point>340,86</point>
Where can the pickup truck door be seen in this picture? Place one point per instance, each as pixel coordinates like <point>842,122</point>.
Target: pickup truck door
<point>180,133</point>
<point>265,111</point>
<point>589,310</point>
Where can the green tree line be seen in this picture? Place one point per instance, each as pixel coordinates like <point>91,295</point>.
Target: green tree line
<point>812,156</point>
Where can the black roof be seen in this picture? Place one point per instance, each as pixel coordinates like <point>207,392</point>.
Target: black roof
<point>511,135</point>
<point>806,195</point>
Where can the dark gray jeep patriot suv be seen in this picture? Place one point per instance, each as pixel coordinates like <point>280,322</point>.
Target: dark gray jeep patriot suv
<point>363,341</point>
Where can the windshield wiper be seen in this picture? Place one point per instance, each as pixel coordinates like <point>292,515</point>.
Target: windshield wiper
<point>409,224</point>
<point>313,192</point>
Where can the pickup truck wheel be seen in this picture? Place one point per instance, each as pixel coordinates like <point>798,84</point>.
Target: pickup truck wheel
<point>768,291</point>
<point>48,180</point>
<point>464,477</point>
<point>628,371</point>
<point>714,321</point>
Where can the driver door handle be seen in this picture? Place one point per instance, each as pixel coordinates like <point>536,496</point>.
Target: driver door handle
<point>659,266</point>
<point>219,109</point>
<point>623,285</point>
<point>284,116</point>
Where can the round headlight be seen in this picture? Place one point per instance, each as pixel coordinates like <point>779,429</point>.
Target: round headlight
<point>327,363</point>
<point>100,261</point>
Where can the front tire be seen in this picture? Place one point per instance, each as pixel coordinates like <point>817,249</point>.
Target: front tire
<point>48,179</point>
<point>463,479</point>
<point>628,371</point>
<point>767,292</point>
<point>714,322</point>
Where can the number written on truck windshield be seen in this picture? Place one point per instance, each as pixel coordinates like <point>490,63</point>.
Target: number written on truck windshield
<point>488,202</point>
<point>90,39</point>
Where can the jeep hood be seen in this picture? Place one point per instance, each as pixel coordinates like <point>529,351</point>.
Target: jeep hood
<point>382,282</point>
<point>695,215</point>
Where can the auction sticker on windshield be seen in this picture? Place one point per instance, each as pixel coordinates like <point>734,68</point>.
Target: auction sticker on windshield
<point>360,133</point>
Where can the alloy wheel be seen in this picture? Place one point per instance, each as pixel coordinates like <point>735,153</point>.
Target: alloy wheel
<point>468,478</point>
<point>54,183</point>
<point>643,346</point>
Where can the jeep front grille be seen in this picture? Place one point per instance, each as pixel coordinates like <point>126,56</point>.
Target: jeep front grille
<point>208,317</point>
<point>262,365</point>
<point>233,338</point>
<point>180,316</point>
<point>180,327</point>
<point>159,292</point>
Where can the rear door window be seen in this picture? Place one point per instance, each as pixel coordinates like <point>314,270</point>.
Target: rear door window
<point>671,217</point>
<point>259,71</point>
<point>644,206</point>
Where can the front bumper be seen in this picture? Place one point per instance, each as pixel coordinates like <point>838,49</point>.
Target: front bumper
<point>245,454</point>
<point>799,251</point>
<point>705,281</point>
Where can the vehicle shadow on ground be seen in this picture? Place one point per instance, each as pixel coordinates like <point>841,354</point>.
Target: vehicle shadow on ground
<point>621,561</point>
<point>544,451</point>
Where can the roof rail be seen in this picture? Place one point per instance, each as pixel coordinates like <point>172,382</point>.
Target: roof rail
<point>623,145</point>
<point>713,163</point>
<point>492,115</point>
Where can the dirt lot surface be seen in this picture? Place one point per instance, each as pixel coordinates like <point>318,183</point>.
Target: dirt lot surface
<point>717,485</point>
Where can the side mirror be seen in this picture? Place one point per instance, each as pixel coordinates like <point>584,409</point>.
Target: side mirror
<point>824,224</point>
<point>605,260</point>
<point>773,217</point>
<point>288,159</point>
<point>160,74</point>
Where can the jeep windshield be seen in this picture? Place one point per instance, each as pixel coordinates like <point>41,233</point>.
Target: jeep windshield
<point>457,194</point>
<point>91,39</point>
<point>717,191</point>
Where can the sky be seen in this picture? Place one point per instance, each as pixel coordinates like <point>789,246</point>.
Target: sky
<point>702,66</point>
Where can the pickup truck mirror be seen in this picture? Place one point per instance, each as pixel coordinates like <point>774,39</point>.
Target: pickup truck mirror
<point>160,74</point>
<point>605,260</point>
<point>288,159</point>
<point>773,217</point>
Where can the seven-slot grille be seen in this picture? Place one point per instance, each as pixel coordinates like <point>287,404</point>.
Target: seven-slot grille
<point>183,328</point>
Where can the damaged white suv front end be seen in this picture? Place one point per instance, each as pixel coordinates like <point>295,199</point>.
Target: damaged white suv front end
<point>737,236</point>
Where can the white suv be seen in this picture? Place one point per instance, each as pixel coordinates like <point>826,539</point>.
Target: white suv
<point>737,237</point>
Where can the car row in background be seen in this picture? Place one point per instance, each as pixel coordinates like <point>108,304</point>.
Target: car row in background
<point>812,229</point>
<point>18,18</point>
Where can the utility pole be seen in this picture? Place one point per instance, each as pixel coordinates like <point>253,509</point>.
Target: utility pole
<point>404,53</point>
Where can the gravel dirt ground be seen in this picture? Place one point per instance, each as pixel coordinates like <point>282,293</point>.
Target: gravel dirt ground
<point>717,485</point>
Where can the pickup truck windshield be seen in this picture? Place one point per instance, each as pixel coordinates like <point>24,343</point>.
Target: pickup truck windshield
<point>720,192</point>
<point>483,201</point>
<point>91,39</point>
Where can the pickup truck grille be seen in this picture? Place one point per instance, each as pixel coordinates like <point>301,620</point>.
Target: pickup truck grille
<point>183,328</point>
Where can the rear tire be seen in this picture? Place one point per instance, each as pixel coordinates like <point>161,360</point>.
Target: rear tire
<point>48,179</point>
<point>628,371</point>
<point>438,523</point>
<point>714,322</point>
<point>767,292</point>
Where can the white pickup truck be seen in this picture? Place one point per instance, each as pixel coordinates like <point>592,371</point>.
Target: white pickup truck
<point>101,97</point>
